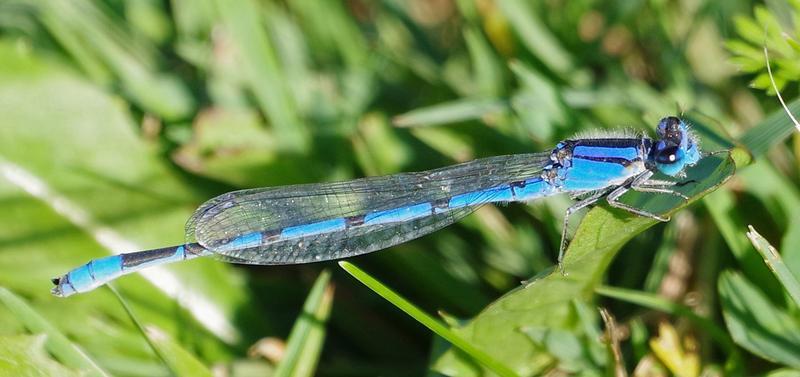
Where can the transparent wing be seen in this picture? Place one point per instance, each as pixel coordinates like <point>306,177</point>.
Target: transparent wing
<point>262,210</point>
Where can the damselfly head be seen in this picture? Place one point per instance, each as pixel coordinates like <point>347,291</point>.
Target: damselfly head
<point>676,147</point>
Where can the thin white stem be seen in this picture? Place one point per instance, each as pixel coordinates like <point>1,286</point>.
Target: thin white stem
<point>778,93</point>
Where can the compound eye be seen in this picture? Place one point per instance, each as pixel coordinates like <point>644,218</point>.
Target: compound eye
<point>670,129</point>
<point>668,155</point>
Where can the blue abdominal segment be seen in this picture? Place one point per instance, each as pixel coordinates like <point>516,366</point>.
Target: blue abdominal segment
<point>102,270</point>
<point>532,189</point>
<point>93,274</point>
<point>327,226</point>
<point>245,241</point>
<point>496,194</point>
<point>398,214</point>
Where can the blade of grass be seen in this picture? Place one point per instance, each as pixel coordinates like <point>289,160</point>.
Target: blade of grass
<point>755,323</point>
<point>141,328</point>
<point>57,343</point>
<point>721,206</point>
<point>178,361</point>
<point>131,61</point>
<point>655,302</point>
<point>537,38</point>
<point>450,112</point>
<point>26,355</point>
<point>773,260</point>
<point>771,131</point>
<point>308,333</point>
<point>426,320</point>
<point>488,70</point>
<point>265,77</point>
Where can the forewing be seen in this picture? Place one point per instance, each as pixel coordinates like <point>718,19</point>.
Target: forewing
<point>271,209</point>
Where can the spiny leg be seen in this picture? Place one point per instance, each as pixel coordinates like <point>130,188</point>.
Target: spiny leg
<point>659,190</point>
<point>659,186</point>
<point>613,198</point>
<point>660,183</point>
<point>575,207</point>
<point>666,183</point>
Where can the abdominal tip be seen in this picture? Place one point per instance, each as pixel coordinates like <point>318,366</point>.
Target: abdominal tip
<point>57,290</point>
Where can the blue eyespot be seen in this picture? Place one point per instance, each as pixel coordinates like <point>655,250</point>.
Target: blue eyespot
<point>669,159</point>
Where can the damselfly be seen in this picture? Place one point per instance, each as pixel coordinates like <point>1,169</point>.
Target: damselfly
<point>318,222</point>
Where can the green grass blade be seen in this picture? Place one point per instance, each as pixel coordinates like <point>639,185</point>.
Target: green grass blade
<point>771,131</point>
<point>308,334</point>
<point>488,70</point>
<point>427,320</point>
<point>132,61</point>
<point>655,302</point>
<point>536,37</point>
<point>265,77</point>
<point>755,323</point>
<point>26,355</point>
<point>177,360</point>
<point>721,206</point>
<point>141,328</point>
<point>775,263</point>
<point>450,112</point>
<point>57,344</point>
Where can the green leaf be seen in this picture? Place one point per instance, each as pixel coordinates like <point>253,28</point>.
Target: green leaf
<point>308,334</point>
<point>747,51</point>
<point>230,145</point>
<point>783,372</point>
<point>756,324</point>
<point>25,355</point>
<point>722,207</point>
<point>487,69</point>
<point>426,320</point>
<point>446,141</point>
<point>450,112</point>
<point>378,148</point>
<point>55,341</point>
<point>80,183</point>
<point>773,259</point>
<point>537,102</point>
<point>334,30</point>
<point>749,30</point>
<point>781,200</point>
<point>544,301</point>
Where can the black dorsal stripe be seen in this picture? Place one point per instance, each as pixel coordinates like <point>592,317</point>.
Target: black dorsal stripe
<point>613,160</point>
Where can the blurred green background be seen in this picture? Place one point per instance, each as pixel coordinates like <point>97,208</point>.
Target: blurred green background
<point>118,118</point>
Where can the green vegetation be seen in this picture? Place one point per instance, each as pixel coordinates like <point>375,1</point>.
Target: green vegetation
<point>117,119</point>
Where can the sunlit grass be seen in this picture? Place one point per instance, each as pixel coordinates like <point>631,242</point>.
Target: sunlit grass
<point>127,115</point>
